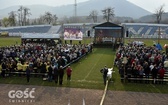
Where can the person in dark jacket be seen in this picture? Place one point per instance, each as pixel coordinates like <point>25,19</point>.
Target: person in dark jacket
<point>50,70</point>
<point>43,69</point>
<point>154,73</point>
<point>61,74</point>
<point>28,73</point>
<point>146,70</point>
<point>3,69</point>
<point>56,74</point>
<point>104,71</point>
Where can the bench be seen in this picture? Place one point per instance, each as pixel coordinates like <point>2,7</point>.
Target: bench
<point>24,73</point>
<point>131,78</point>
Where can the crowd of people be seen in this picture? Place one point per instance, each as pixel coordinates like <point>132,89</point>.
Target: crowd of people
<point>40,58</point>
<point>141,61</point>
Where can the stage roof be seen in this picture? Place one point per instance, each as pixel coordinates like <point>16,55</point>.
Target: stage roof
<point>107,25</point>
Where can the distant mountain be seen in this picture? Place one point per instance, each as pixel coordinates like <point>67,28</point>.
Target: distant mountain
<point>152,18</point>
<point>121,8</point>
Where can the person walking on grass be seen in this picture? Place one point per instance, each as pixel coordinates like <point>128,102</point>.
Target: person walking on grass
<point>68,71</point>
<point>104,71</point>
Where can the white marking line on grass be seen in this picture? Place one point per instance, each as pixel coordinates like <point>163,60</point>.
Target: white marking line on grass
<point>92,68</point>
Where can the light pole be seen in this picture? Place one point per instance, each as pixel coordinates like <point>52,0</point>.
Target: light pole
<point>159,35</point>
<point>84,34</point>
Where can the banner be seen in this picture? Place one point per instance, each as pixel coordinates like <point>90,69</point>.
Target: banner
<point>73,34</point>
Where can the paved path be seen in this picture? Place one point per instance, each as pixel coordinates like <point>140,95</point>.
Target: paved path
<point>135,98</point>
<point>62,96</point>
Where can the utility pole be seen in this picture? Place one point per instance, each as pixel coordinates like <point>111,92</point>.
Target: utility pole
<point>75,8</point>
<point>75,11</point>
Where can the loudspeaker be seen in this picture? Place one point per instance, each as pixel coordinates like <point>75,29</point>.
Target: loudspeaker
<point>88,33</point>
<point>127,34</point>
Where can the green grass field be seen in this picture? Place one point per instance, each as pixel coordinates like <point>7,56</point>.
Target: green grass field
<point>5,41</point>
<point>86,73</point>
<point>149,42</point>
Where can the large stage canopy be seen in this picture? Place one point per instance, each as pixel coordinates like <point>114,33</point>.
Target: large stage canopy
<point>108,33</point>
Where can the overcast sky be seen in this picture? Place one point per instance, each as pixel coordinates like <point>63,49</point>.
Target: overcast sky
<point>150,5</point>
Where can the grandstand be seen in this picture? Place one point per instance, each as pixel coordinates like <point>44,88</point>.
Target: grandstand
<point>135,30</point>
<point>27,29</point>
<point>47,29</point>
<point>146,30</point>
<point>55,29</point>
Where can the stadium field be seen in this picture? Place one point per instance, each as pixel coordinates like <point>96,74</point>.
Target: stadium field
<point>86,73</point>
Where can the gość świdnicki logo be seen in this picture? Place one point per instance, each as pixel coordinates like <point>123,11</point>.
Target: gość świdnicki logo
<point>19,96</point>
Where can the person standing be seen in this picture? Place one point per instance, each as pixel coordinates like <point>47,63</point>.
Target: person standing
<point>104,71</point>
<point>28,73</point>
<point>154,73</point>
<point>50,70</point>
<point>61,74</point>
<point>19,68</point>
<point>43,69</point>
<point>56,74</point>
<point>146,71</point>
<point>68,71</point>
<point>161,74</point>
<point>3,69</point>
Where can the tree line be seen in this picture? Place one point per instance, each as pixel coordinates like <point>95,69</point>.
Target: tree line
<point>20,17</point>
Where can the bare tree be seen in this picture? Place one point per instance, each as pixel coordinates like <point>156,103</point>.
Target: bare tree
<point>108,13</point>
<point>20,15</point>
<point>48,17</point>
<point>93,15</point>
<point>12,18</point>
<point>34,22</point>
<point>64,19</point>
<point>158,13</point>
<point>55,19</point>
<point>26,13</point>
<point>41,19</point>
